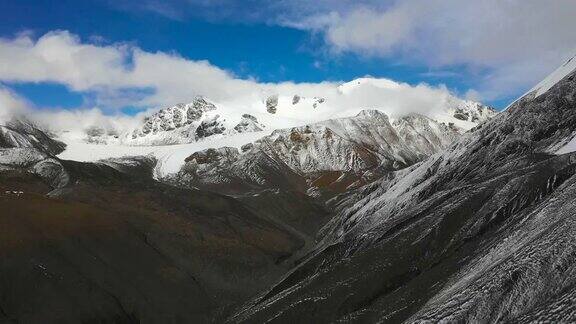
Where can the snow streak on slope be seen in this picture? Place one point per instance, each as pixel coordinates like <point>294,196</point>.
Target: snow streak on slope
<point>555,77</point>
<point>566,146</point>
<point>170,157</point>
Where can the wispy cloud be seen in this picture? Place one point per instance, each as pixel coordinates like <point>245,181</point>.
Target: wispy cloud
<point>11,104</point>
<point>443,74</point>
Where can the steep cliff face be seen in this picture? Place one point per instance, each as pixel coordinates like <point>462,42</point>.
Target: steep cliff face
<point>481,232</point>
<point>18,132</point>
<point>187,123</point>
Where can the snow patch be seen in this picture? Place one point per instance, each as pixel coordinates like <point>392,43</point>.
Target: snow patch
<point>170,157</point>
<point>555,77</point>
<point>568,147</point>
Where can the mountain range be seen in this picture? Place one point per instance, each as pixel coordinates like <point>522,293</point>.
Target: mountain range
<point>207,213</point>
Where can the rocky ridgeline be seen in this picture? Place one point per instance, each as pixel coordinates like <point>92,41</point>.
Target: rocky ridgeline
<point>168,119</point>
<point>471,111</point>
<point>182,123</point>
<point>359,146</point>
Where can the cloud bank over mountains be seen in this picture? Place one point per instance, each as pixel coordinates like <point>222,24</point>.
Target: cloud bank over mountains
<point>120,74</point>
<point>506,45</point>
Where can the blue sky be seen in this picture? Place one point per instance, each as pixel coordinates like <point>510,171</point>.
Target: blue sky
<point>276,41</point>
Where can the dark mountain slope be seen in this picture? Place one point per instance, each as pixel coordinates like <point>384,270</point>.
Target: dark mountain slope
<point>115,246</point>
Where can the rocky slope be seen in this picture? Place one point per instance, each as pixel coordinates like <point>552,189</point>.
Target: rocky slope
<point>335,155</point>
<point>482,232</point>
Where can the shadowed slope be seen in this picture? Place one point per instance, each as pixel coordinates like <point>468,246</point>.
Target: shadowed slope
<point>118,246</point>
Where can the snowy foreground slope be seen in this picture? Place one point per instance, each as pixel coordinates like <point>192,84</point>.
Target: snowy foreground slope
<point>170,157</point>
<point>482,232</point>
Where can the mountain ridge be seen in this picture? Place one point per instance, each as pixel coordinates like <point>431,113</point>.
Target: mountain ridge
<point>337,153</point>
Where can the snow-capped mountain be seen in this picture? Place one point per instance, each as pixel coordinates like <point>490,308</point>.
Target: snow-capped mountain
<point>203,119</point>
<point>180,124</point>
<point>464,114</point>
<point>432,225</point>
<point>333,155</point>
<point>173,133</point>
<point>482,232</point>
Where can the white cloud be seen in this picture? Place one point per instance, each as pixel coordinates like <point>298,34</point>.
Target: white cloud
<point>368,31</point>
<point>111,71</point>
<point>472,95</point>
<point>59,57</point>
<point>78,120</point>
<point>11,104</point>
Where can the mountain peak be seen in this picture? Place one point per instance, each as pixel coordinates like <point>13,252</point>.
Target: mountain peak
<point>372,113</point>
